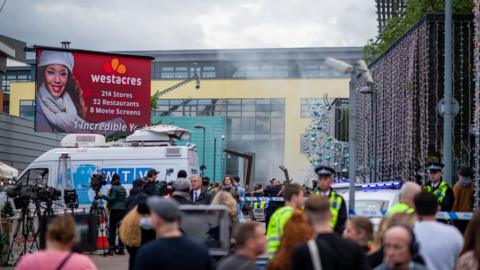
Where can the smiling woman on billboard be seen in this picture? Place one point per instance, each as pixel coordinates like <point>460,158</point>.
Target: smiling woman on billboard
<point>60,105</point>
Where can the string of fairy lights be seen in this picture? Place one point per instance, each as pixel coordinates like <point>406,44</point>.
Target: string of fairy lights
<point>409,84</point>
<point>476,114</point>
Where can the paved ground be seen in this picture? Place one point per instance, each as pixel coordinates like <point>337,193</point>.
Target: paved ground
<point>117,262</point>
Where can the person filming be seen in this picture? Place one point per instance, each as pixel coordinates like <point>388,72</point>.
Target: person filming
<point>117,202</point>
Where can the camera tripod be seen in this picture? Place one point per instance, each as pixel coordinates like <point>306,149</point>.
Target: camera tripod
<point>25,228</point>
<point>48,211</point>
<point>98,210</point>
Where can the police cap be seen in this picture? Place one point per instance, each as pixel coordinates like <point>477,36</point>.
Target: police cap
<point>434,166</point>
<point>324,171</point>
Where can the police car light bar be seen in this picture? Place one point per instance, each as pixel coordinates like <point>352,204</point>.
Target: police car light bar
<point>382,185</point>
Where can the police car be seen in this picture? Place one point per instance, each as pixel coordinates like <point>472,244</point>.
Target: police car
<point>374,200</point>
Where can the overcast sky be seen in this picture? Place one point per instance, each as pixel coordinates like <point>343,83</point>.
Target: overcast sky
<point>194,24</point>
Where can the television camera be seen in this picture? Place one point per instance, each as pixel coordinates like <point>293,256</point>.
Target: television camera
<point>97,181</point>
<point>22,194</point>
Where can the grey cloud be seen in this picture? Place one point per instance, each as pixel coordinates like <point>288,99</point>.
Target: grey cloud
<point>182,24</point>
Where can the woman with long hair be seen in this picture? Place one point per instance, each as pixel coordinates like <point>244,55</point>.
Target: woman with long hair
<point>133,233</point>
<point>228,186</point>
<point>225,198</point>
<point>60,239</point>
<point>297,231</point>
<point>60,104</point>
<point>470,254</point>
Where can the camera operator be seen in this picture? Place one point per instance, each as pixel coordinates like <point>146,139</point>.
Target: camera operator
<point>117,201</point>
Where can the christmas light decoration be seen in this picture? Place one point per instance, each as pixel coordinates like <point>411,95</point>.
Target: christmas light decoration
<point>476,115</point>
<point>320,147</point>
<point>409,84</point>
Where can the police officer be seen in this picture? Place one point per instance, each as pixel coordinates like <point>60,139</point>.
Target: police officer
<point>293,197</point>
<point>405,204</point>
<point>438,187</point>
<point>337,203</point>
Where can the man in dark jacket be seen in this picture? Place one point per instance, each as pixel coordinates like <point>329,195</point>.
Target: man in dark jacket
<point>334,252</point>
<point>273,190</point>
<point>150,185</point>
<point>117,200</point>
<point>181,191</point>
<point>199,194</point>
<point>171,250</point>
<point>136,194</point>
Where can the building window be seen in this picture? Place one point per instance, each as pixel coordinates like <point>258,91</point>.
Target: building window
<point>181,72</point>
<point>316,70</point>
<point>167,73</point>
<point>27,109</point>
<point>262,71</point>
<point>209,72</point>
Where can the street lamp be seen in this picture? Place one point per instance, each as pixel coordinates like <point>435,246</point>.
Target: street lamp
<point>370,91</point>
<point>215,153</point>
<point>359,69</point>
<point>202,168</point>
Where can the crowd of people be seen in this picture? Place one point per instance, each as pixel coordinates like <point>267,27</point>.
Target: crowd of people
<point>300,232</point>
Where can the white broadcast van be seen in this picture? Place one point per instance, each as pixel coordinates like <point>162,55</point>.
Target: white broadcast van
<point>83,155</point>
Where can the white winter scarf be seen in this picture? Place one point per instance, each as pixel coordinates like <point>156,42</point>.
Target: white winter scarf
<point>60,112</point>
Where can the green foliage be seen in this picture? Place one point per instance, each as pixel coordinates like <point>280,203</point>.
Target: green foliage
<point>153,101</point>
<point>398,25</point>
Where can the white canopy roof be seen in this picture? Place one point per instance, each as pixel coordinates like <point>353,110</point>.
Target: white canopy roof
<point>7,172</point>
<point>159,133</point>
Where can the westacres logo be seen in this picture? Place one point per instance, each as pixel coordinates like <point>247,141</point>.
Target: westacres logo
<point>115,70</point>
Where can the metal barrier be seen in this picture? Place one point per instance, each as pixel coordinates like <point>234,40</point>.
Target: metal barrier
<point>440,215</point>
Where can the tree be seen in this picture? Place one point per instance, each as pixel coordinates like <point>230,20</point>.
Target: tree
<point>398,25</point>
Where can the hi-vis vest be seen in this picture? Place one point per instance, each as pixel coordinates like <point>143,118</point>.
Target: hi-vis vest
<point>275,228</point>
<point>440,192</point>
<point>335,202</point>
<point>400,208</point>
<point>259,205</point>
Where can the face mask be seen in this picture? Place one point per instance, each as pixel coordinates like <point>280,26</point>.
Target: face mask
<point>145,223</point>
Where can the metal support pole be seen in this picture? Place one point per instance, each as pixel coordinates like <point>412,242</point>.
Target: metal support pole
<point>203,154</point>
<point>214,158</point>
<point>352,165</point>
<point>375,131</point>
<point>448,117</point>
<point>372,115</point>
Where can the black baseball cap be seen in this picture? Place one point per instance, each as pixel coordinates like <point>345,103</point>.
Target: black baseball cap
<point>152,172</point>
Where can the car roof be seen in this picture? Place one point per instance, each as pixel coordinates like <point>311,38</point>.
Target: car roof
<point>384,194</point>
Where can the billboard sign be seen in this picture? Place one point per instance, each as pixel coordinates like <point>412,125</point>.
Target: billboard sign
<point>91,92</point>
